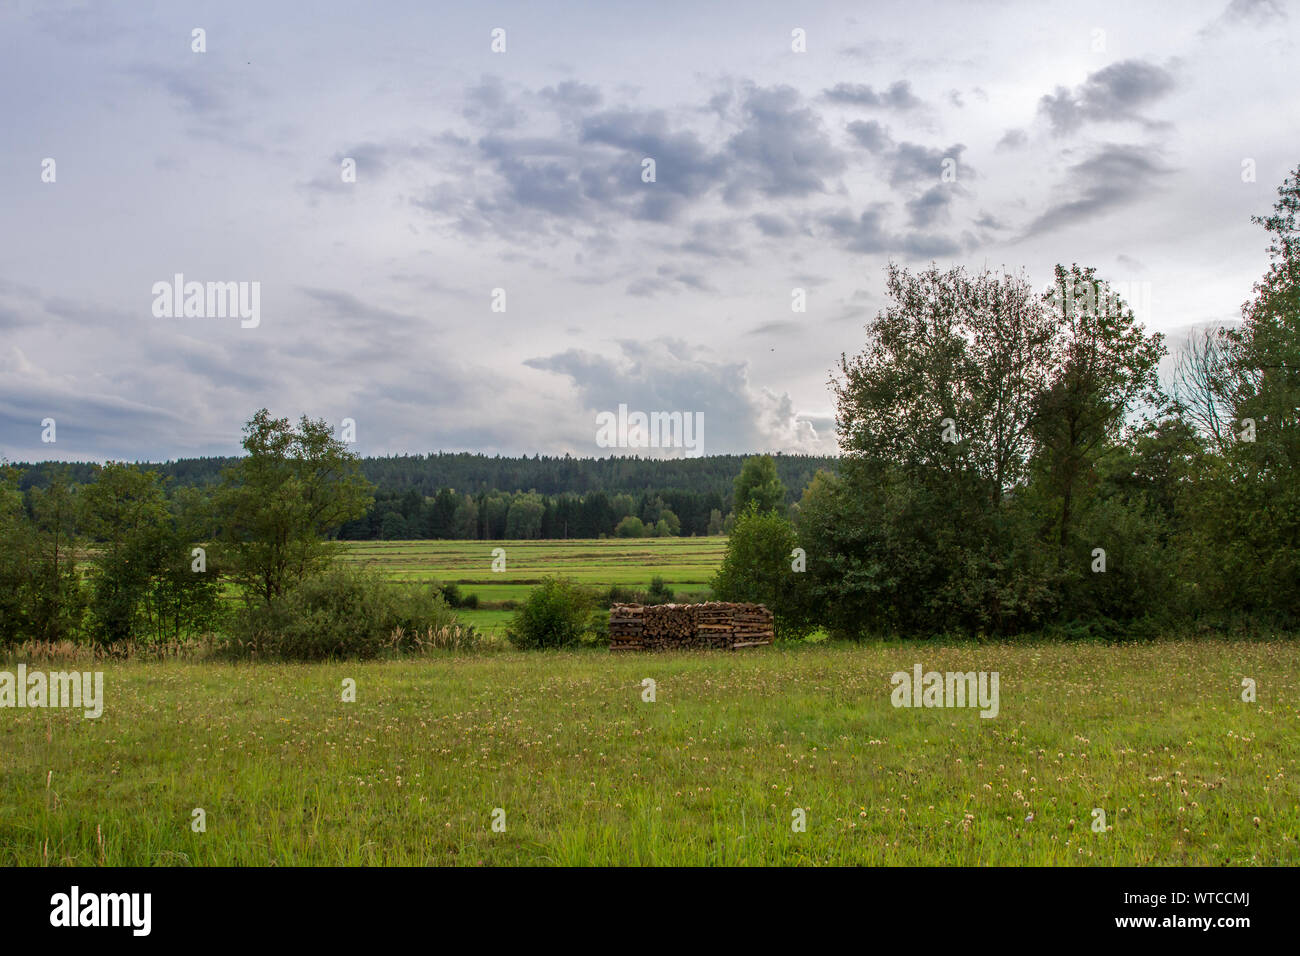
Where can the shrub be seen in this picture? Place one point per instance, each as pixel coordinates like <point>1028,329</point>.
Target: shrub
<point>557,613</point>
<point>341,613</point>
<point>622,594</point>
<point>659,593</point>
<point>451,594</point>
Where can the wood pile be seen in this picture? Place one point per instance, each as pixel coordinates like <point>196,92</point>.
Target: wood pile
<point>718,624</point>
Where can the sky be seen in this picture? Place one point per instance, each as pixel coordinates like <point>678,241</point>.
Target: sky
<point>501,272</point>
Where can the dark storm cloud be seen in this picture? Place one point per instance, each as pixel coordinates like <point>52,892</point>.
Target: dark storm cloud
<point>899,96</point>
<point>1111,178</point>
<point>1110,94</point>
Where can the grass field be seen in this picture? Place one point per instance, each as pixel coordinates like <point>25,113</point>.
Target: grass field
<point>685,564</point>
<point>710,773</point>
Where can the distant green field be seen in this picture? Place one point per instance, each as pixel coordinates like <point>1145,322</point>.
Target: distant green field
<point>685,564</point>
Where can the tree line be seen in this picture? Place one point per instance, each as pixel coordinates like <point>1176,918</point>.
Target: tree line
<point>476,497</point>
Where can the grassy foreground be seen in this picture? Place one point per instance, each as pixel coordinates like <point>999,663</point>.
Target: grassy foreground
<point>708,774</point>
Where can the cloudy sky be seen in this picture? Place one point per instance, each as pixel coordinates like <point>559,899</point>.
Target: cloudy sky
<point>1109,134</point>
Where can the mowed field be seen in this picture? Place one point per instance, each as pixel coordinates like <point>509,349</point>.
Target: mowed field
<point>565,752</point>
<point>685,564</point>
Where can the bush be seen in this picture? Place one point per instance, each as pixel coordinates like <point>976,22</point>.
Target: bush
<point>451,594</point>
<point>339,614</point>
<point>659,593</point>
<point>557,613</point>
<point>622,594</point>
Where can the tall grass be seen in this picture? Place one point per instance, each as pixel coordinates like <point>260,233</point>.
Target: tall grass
<point>709,774</point>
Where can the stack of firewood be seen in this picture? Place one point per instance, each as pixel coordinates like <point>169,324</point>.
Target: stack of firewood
<point>640,627</point>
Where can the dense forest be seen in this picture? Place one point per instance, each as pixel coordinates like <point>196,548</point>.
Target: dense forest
<point>468,496</point>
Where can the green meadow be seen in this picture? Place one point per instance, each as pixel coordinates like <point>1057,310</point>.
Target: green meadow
<point>685,564</point>
<point>576,767</point>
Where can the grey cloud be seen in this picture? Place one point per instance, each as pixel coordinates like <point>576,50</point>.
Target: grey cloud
<point>682,163</point>
<point>782,150</point>
<point>780,326</point>
<point>11,318</point>
<point>1013,139</point>
<point>871,135</point>
<point>348,306</point>
<point>335,321</point>
<point>715,239</point>
<point>197,90</point>
<point>92,423</point>
<point>84,23</point>
<point>867,234</point>
<point>931,207</point>
<point>693,281</point>
<point>572,95</point>
<point>373,163</point>
<point>778,227</point>
<point>488,104</point>
<point>1112,177</point>
<point>648,287</point>
<point>912,163</point>
<point>668,279</point>
<point>1112,93</point>
<point>667,376</point>
<point>899,96</point>
<point>1255,13</point>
